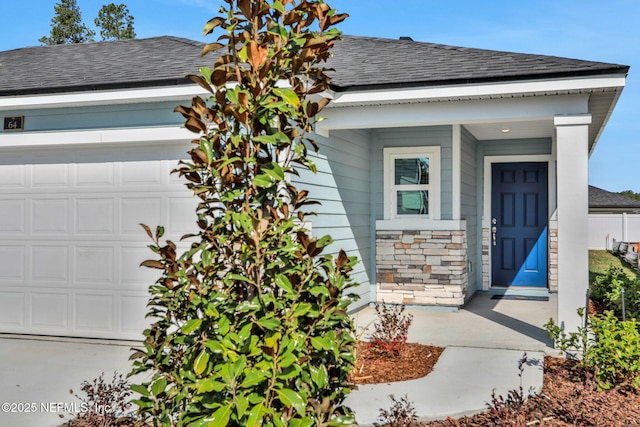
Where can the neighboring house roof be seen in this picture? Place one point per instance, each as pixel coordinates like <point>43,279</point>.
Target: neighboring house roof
<point>602,199</point>
<point>359,63</point>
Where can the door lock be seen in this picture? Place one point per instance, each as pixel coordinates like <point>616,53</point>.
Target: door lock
<point>494,230</point>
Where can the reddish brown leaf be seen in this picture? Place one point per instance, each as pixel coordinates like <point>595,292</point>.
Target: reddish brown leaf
<point>147,230</point>
<point>152,263</point>
<point>200,81</point>
<point>211,47</point>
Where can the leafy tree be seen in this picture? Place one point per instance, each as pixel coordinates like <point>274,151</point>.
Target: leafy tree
<point>631,194</point>
<point>67,26</point>
<point>115,22</point>
<point>251,324</point>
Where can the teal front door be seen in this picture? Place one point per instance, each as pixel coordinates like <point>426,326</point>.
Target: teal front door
<point>519,224</point>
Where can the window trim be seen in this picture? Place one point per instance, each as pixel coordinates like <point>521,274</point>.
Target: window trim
<point>390,200</point>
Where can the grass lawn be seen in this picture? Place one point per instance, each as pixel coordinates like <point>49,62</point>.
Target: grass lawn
<point>599,262</point>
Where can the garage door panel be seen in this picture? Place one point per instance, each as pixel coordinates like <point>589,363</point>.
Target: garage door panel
<point>12,309</point>
<point>94,216</point>
<point>94,265</point>
<point>132,314</point>
<point>12,214</point>
<point>141,173</point>
<point>182,214</point>
<point>91,175</point>
<point>50,176</point>
<point>13,177</point>
<point>134,211</point>
<point>50,264</point>
<point>12,263</point>
<point>50,311</point>
<point>93,313</point>
<point>130,272</point>
<point>50,216</point>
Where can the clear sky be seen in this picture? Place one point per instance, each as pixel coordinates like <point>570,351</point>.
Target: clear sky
<point>598,30</point>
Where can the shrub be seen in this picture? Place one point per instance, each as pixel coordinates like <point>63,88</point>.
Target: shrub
<point>251,324</point>
<point>391,330</point>
<point>511,411</point>
<point>606,288</point>
<point>103,404</point>
<point>607,348</point>
<point>401,414</point>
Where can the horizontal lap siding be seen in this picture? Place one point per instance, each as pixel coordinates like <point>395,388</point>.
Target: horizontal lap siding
<point>516,147</point>
<point>469,206</point>
<point>342,186</point>
<point>102,117</point>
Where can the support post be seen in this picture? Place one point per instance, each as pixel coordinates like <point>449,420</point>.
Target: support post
<point>572,142</point>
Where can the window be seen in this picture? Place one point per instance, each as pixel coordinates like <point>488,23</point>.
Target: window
<point>412,182</point>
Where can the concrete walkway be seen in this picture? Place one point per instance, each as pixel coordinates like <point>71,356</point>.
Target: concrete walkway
<point>484,343</point>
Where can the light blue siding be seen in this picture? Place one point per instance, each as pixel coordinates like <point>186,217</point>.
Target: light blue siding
<point>342,186</point>
<point>100,117</point>
<point>516,147</point>
<point>412,137</point>
<point>469,200</point>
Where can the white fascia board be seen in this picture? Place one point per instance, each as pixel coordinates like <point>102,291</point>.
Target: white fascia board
<point>476,90</point>
<point>100,136</point>
<point>106,97</point>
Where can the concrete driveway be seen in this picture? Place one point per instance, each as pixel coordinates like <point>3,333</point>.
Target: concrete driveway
<point>488,336</point>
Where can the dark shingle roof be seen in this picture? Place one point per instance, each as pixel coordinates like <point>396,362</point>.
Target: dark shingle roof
<point>599,198</point>
<point>118,64</point>
<point>370,62</point>
<point>359,62</point>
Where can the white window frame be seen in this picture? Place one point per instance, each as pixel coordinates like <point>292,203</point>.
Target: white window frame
<point>390,188</point>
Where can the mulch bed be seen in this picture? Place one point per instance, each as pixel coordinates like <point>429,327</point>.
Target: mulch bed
<point>566,400</point>
<point>374,367</point>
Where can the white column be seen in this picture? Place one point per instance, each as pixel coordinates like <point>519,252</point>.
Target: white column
<point>572,142</point>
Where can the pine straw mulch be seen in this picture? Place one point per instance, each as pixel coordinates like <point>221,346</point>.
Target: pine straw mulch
<point>374,366</point>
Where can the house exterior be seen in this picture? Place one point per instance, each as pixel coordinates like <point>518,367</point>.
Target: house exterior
<point>612,217</point>
<point>446,170</point>
<point>605,202</point>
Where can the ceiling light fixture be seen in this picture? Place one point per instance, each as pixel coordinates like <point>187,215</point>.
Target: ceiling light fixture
<point>505,130</point>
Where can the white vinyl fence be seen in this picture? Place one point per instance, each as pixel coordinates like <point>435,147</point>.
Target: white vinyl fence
<point>603,228</point>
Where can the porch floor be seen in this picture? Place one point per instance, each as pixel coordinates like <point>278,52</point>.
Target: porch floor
<point>482,323</point>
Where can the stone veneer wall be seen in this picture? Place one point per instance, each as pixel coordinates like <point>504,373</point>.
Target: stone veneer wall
<point>421,267</point>
<point>552,273</point>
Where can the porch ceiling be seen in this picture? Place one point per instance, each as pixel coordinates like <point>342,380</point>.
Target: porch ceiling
<point>601,104</point>
<point>511,130</point>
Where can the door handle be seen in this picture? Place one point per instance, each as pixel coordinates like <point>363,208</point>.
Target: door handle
<point>494,230</point>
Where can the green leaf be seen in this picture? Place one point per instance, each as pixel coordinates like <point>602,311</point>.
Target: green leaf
<point>191,326</point>
<point>201,362</point>
<point>214,346</point>
<point>140,389</point>
<point>274,170</point>
<point>221,417</point>
<point>263,181</point>
<point>288,95</point>
<point>255,416</point>
<point>252,378</point>
<point>242,403</point>
<point>283,283</point>
<point>291,398</point>
<point>269,323</point>
<point>158,386</point>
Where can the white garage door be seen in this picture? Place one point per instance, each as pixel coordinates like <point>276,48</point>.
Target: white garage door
<point>70,240</point>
